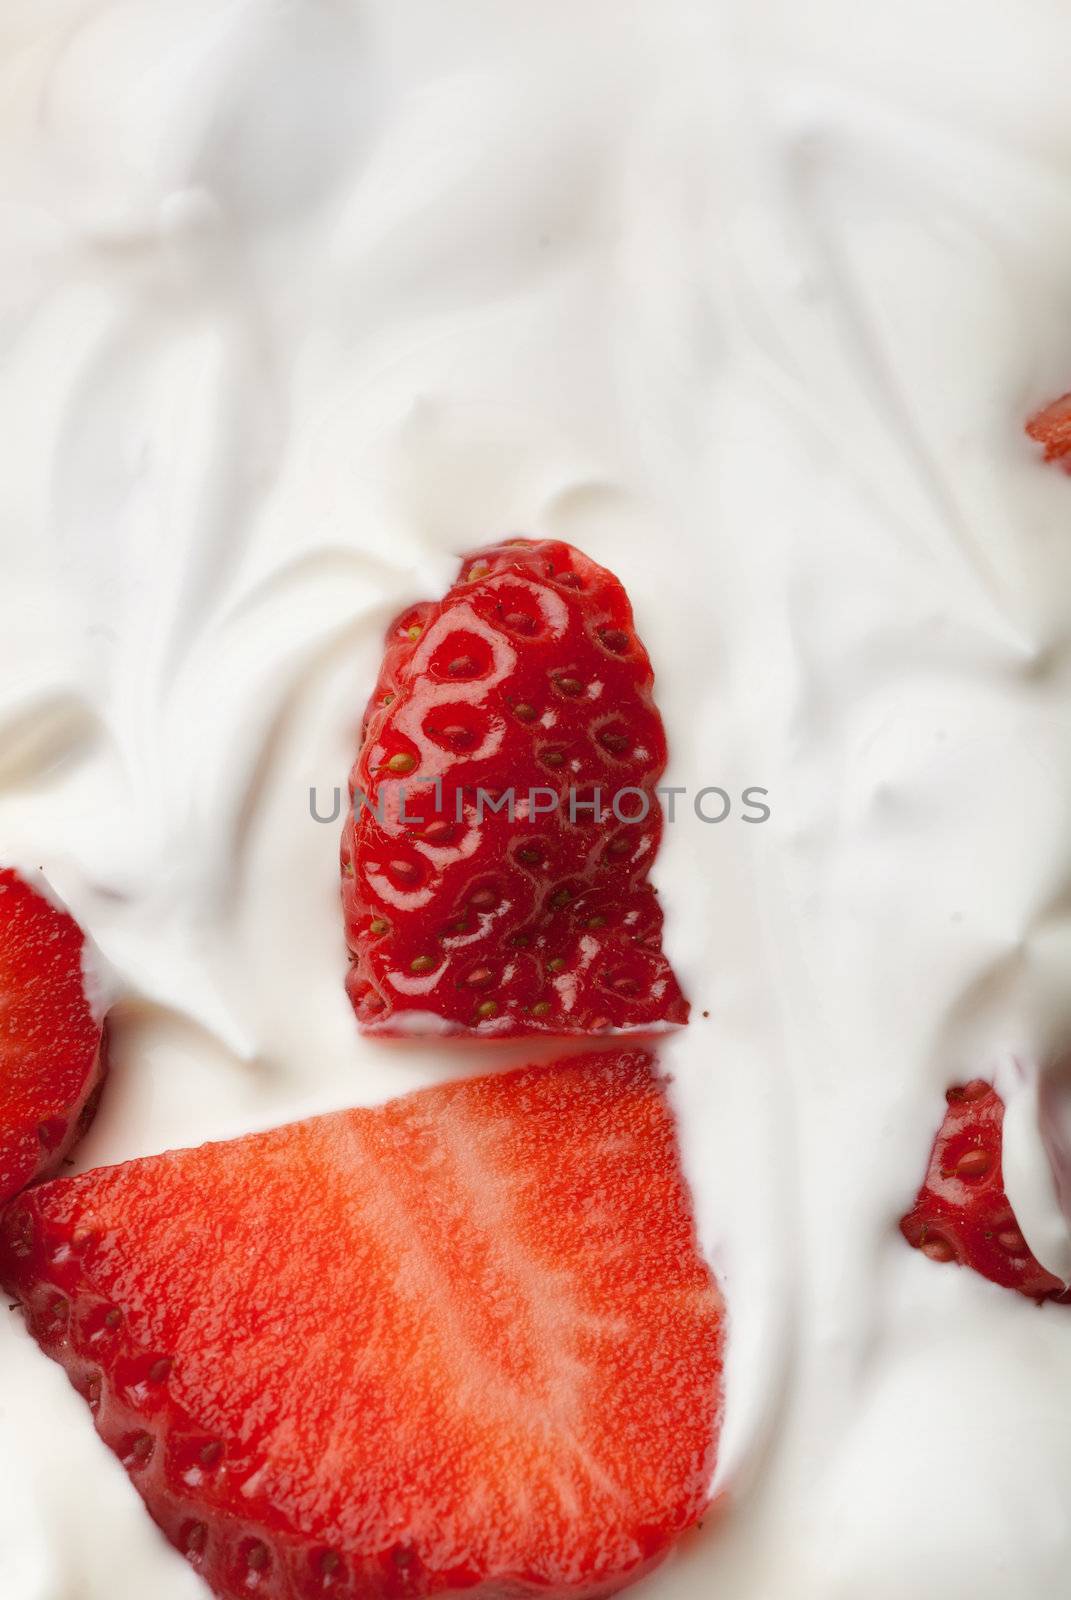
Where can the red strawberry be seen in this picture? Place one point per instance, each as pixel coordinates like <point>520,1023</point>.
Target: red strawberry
<point>399,645</point>
<point>527,677</point>
<point>461,1342</point>
<point>1051,427</point>
<point>51,1045</point>
<point>962,1212</point>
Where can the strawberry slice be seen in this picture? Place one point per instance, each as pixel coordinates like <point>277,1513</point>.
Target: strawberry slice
<point>962,1212</point>
<point>463,1341</point>
<point>51,1041</point>
<point>1051,427</point>
<point>484,893</point>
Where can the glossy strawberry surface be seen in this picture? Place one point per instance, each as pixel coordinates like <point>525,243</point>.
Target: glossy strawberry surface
<point>51,1043</point>
<point>461,1342</point>
<point>962,1213</point>
<point>490,886</point>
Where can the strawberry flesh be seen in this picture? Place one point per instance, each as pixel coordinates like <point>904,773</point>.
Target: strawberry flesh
<point>463,1341</point>
<point>527,680</point>
<point>962,1213</point>
<point>51,1044</point>
<point>1051,427</point>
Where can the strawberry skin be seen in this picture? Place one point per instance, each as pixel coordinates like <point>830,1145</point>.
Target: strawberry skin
<point>527,676</point>
<point>1051,427</point>
<point>51,1044</point>
<point>962,1213</point>
<point>464,1341</point>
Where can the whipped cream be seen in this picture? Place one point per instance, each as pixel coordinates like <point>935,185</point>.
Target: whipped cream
<point>747,300</point>
<point>1037,1110</point>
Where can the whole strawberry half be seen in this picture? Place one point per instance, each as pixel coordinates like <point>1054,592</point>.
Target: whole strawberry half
<point>51,1040</point>
<point>489,884</point>
<point>462,1342</point>
<point>962,1213</point>
<point>1051,427</point>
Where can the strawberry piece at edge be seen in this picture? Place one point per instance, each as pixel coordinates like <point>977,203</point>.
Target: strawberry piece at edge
<point>463,1341</point>
<point>52,1052</point>
<point>962,1212</point>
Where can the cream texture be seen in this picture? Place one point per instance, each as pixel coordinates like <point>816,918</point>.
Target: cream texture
<point>749,300</point>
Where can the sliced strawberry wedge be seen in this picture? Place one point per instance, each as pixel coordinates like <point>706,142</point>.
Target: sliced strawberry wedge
<point>495,864</point>
<point>51,1055</point>
<point>463,1342</point>
<point>962,1213</point>
<point>1051,427</point>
